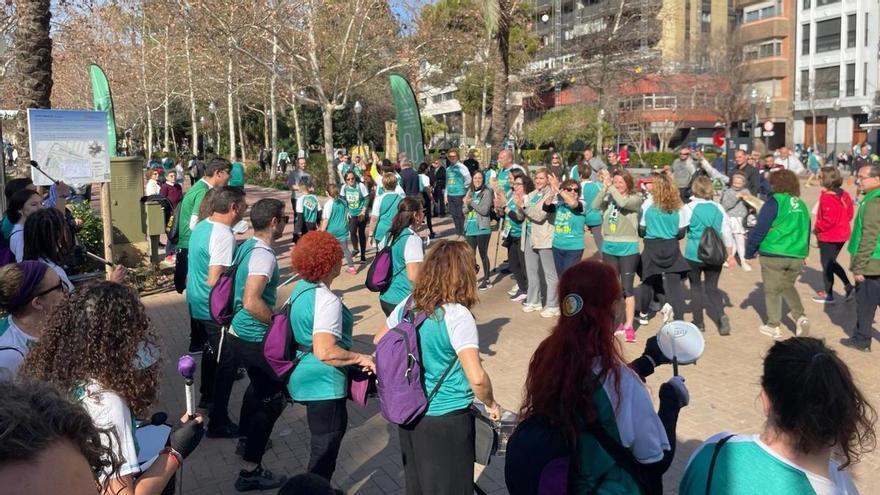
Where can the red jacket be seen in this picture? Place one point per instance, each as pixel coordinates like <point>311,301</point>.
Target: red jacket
<point>834,216</point>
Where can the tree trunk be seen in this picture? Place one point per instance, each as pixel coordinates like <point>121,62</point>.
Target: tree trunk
<point>149,111</point>
<point>33,62</point>
<point>328,140</point>
<point>478,141</point>
<point>231,109</point>
<point>502,72</point>
<point>266,127</point>
<point>272,114</point>
<point>240,128</point>
<point>464,126</point>
<point>193,115</point>
<point>167,96</point>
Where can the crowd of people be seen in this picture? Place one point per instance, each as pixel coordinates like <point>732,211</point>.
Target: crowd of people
<point>675,230</point>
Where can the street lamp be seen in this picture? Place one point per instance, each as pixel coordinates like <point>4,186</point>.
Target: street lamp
<point>213,109</point>
<point>767,103</point>
<point>753,99</point>
<point>358,108</point>
<point>836,108</point>
<point>202,143</point>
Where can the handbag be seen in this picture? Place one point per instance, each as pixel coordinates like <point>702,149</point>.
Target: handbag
<point>711,250</point>
<point>360,386</point>
<point>485,437</point>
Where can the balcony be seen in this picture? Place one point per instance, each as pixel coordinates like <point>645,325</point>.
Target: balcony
<point>765,29</point>
<point>767,68</point>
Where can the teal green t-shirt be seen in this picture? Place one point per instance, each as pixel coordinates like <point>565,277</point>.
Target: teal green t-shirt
<point>189,206</point>
<point>589,190</point>
<point>314,308</point>
<point>213,244</point>
<point>661,224</point>
<point>746,466</point>
<point>407,248</point>
<point>254,257</point>
<point>568,230</point>
<point>455,180</point>
<point>387,210</point>
<point>615,248</point>
<point>354,198</point>
<point>574,174</point>
<point>705,214</point>
<point>514,227</point>
<point>337,219</point>
<point>308,206</point>
<point>472,220</point>
<point>236,175</point>
<point>6,227</point>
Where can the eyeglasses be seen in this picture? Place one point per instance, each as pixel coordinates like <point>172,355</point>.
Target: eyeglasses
<point>349,179</point>
<point>571,189</point>
<point>517,183</point>
<point>59,286</point>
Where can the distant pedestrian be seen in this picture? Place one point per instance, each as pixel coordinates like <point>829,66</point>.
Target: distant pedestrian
<point>834,214</point>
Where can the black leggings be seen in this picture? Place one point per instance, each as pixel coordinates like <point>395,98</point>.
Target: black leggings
<point>328,420</point>
<point>429,212</point>
<point>828,252</point>
<point>517,263</point>
<point>706,277</point>
<point>263,402</point>
<point>481,243</point>
<point>670,289</point>
<point>357,232</point>
<point>626,267</point>
<point>438,454</point>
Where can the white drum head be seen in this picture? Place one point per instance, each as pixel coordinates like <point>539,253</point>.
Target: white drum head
<point>681,340</point>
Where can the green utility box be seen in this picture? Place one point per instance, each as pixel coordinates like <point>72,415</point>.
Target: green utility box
<point>127,212</point>
<point>154,219</point>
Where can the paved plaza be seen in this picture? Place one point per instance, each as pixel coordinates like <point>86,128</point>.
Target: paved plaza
<point>724,385</point>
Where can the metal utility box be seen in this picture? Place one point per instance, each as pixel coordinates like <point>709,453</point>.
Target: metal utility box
<point>154,221</point>
<point>126,189</point>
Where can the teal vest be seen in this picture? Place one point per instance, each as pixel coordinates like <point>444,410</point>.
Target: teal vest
<point>454,181</point>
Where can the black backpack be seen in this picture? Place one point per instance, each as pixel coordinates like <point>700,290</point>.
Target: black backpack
<point>711,250</point>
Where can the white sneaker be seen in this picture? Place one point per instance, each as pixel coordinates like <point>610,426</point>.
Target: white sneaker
<point>643,318</point>
<point>550,312</point>
<point>746,267</point>
<point>802,328</point>
<point>770,331</point>
<point>513,290</point>
<point>666,311</point>
<point>531,308</point>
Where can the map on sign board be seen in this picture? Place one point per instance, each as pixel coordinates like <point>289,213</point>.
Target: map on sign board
<point>69,145</point>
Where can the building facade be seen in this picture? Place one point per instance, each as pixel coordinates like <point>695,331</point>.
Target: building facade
<point>836,71</point>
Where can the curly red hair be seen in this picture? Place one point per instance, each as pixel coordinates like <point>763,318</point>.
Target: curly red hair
<point>315,255</point>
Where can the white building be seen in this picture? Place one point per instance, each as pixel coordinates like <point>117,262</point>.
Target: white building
<point>836,71</point>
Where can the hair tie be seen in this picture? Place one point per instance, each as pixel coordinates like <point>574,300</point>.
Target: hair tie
<point>572,304</point>
<point>33,274</point>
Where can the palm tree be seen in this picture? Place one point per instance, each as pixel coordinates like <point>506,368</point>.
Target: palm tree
<point>496,14</point>
<point>33,64</point>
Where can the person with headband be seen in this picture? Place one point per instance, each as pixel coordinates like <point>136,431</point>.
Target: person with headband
<point>580,391</point>
<point>29,291</point>
<point>407,253</point>
<point>818,424</point>
<point>114,376</point>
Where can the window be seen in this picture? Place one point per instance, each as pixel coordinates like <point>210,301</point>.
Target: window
<point>761,11</point>
<point>772,48</point>
<point>806,4</point>
<point>850,79</point>
<point>851,31</point>
<point>805,39</point>
<point>805,85</point>
<point>828,35</point>
<point>827,83</point>
<point>770,87</point>
<point>821,3</point>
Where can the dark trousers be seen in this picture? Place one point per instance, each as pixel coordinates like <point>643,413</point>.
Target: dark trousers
<point>328,420</point>
<point>438,454</point>
<point>626,267</point>
<point>828,252</point>
<point>867,299</point>
<point>706,277</point>
<point>517,263</point>
<point>564,258</point>
<point>217,375</point>
<point>263,401</point>
<point>357,232</point>
<point>456,203</point>
<point>480,244</point>
<point>387,307</point>
<point>439,205</point>
<point>180,268</point>
<point>428,212</point>
<point>668,284</point>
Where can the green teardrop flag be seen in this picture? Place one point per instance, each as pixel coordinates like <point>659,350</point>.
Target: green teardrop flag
<point>104,103</point>
<point>409,120</point>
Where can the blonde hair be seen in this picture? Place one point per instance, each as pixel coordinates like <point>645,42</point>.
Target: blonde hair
<point>11,280</point>
<point>702,188</point>
<point>665,194</point>
<point>389,181</point>
<point>332,190</point>
<point>446,276</point>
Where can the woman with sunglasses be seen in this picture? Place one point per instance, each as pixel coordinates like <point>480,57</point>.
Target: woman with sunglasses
<point>356,197</point>
<point>114,377</point>
<point>29,291</point>
<point>477,224</point>
<point>568,223</point>
<point>516,216</point>
<point>537,245</point>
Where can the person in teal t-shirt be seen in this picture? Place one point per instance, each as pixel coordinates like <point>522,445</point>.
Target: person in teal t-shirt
<point>516,216</point>
<point>236,175</point>
<point>335,221</point>
<point>477,223</point>
<point>568,224</point>
<point>407,253</point>
<point>458,179</point>
<point>817,421</point>
<point>355,194</point>
<point>256,288</point>
<point>322,326</point>
<point>384,208</point>
<point>442,441</point>
<point>308,215</point>
<point>592,216</point>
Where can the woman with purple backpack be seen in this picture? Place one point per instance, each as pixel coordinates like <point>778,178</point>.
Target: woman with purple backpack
<point>438,447</point>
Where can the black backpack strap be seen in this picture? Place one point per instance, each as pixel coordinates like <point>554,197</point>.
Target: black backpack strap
<point>715,452</point>
<point>442,378</point>
<point>621,455</point>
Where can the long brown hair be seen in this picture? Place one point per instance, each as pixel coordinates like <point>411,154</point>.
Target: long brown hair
<point>95,335</point>
<point>665,194</point>
<point>446,276</point>
<point>559,386</point>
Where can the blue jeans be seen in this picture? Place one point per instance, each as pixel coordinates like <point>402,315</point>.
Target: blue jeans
<point>564,258</point>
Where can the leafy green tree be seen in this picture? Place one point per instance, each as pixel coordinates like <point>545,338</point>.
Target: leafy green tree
<point>431,127</point>
<point>566,125</point>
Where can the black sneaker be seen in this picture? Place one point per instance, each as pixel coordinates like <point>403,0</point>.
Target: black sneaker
<point>485,285</point>
<point>853,344</point>
<point>242,443</point>
<point>229,430</point>
<point>258,479</point>
<point>850,293</point>
<point>724,326</point>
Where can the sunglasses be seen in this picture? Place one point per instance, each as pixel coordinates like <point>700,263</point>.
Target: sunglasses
<point>571,189</point>
<point>59,286</point>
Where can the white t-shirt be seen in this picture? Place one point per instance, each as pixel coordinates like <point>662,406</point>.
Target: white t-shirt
<point>460,325</point>
<point>426,182</point>
<point>108,410</point>
<point>328,312</point>
<point>222,246</point>
<point>14,346</point>
<point>413,250</point>
<point>16,242</point>
<point>262,261</point>
<point>152,188</point>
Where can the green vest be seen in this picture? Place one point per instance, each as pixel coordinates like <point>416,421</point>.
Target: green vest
<point>789,234</point>
<point>514,229</point>
<point>472,220</point>
<point>454,181</point>
<point>246,326</point>
<point>856,236</point>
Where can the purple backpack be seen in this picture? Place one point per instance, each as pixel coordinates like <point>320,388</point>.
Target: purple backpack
<point>280,346</point>
<point>221,301</point>
<point>399,370</point>
<point>381,273</point>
